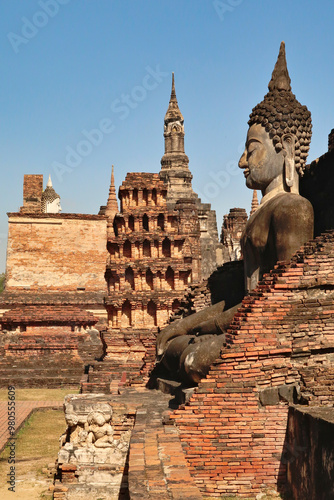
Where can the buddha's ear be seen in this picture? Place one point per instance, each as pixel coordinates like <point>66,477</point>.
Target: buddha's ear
<point>288,143</point>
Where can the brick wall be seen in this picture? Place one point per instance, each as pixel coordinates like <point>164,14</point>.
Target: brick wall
<point>56,251</point>
<point>32,193</point>
<point>41,358</point>
<point>279,350</point>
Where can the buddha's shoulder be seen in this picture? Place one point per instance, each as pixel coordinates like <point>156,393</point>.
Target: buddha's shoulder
<point>291,204</point>
<point>289,201</point>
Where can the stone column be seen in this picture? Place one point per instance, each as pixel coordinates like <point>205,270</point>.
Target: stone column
<point>118,317</point>
<point>140,197</point>
<point>177,284</point>
<point>172,248</point>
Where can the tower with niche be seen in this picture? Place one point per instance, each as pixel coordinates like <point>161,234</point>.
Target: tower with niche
<point>154,254</point>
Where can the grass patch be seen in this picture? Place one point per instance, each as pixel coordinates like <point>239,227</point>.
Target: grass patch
<point>40,394</point>
<point>37,446</point>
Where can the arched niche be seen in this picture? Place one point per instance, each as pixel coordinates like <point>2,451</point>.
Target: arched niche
<point>112,316</point>
<point>135,197</point>
<point>115,227</point>
<point>125,198</point>
<point>113,249</point>
<point>156,248</point>
<point>154,196</point>
<point>145,222</point>
<point>170,278</point>
<point>166,247</point>
<point>126,319</point>
<point>149,278</point>
<point>129,277</point>
<point>113,281</point>
<point>185,276</point>
<point>151,313</point>
<point>172,221</point>
<point>127,249</point>
<point>146,248</point>
<point>131,223</point>
<point>145,196</point>
<point>161,221</point>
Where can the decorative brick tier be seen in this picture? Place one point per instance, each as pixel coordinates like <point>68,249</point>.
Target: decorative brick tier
<point>279,350</point>
<point>154,254</point>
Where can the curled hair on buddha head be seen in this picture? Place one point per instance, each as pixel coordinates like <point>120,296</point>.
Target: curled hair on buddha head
<point>49,195</point>
<point>281,114</point>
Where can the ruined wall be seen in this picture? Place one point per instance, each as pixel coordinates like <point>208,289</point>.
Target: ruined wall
<point>32,193</point>
<point>53,252</point>
<point>211,248</point>
<point>280,349</point>
<point>47,346</point>
<point>310,453</point>
<point>317,186</point>
<point>41,359</point>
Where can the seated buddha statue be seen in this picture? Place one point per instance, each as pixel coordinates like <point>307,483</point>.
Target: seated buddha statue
<point>276,149</point>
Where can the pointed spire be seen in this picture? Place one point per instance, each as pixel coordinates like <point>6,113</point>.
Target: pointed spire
<point>173,93</point>
<point>173,111</point>
<point>255,203</point>
<point>49,183</point>
<point>280,79</point>
<point>112,205</point>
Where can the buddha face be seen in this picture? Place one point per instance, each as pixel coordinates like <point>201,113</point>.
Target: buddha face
<point>53,207</point>
<point>262,164</point>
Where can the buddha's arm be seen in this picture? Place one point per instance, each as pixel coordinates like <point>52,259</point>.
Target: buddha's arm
<point>293,223</point>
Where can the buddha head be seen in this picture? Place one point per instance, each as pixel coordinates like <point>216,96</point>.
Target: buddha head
<point>278,138</point>
<point>50,199</point>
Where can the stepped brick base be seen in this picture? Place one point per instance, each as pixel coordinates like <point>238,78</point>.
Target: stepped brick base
<point>279,351</point>
<point>39,360</point>
<point>50,358</point>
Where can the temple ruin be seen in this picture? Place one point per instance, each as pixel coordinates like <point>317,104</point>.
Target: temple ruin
<point>261,420</point>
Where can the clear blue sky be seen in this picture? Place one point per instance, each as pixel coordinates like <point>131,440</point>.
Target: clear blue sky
<point>67,65</point>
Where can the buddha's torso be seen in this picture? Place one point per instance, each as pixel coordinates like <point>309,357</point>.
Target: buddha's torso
<point>259,239</point>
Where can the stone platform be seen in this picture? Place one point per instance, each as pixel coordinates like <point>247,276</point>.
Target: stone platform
<point>155,467</point>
